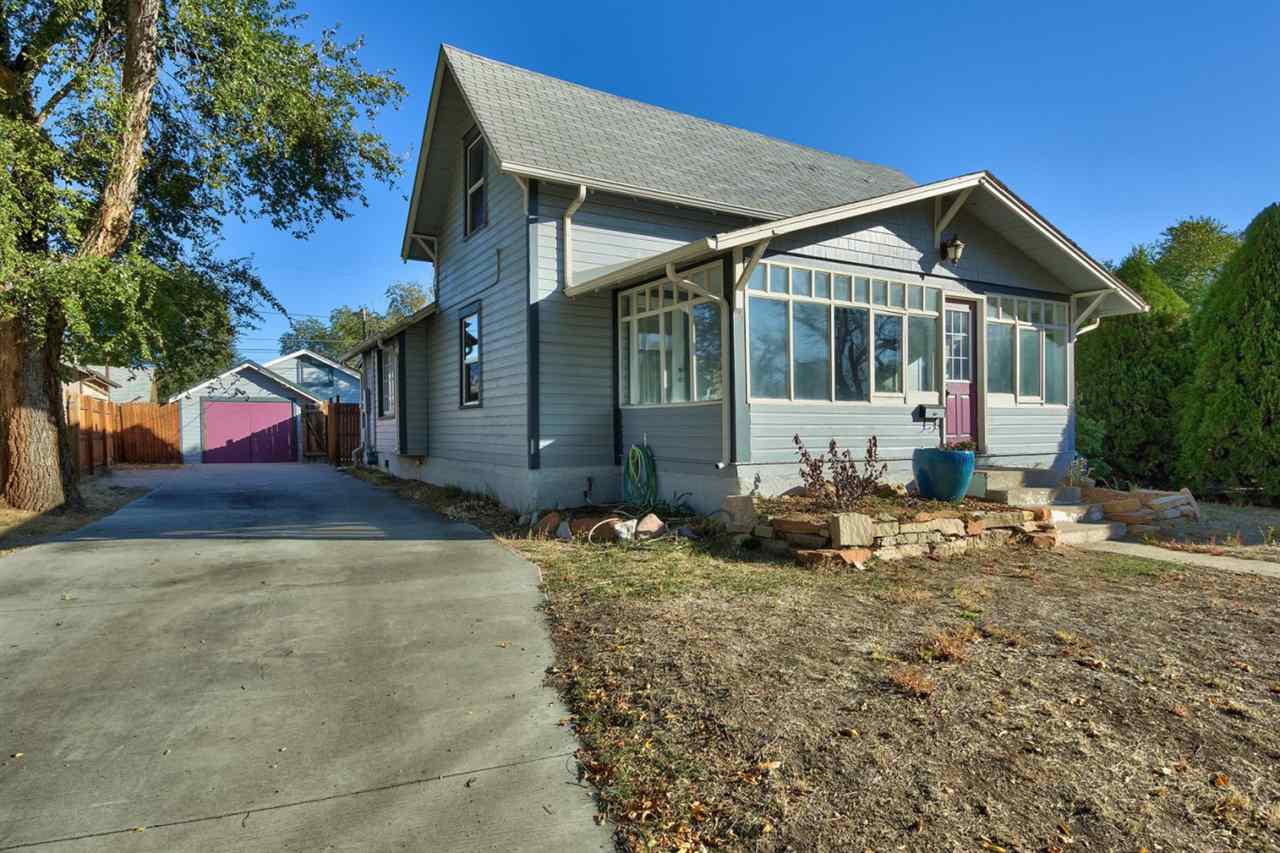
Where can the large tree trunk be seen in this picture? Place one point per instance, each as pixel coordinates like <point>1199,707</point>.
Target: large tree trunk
<point>40,470</point>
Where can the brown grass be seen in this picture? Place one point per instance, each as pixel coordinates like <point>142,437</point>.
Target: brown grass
<point>22,529</point>
<point>911,681</point>
<point>949,644</point>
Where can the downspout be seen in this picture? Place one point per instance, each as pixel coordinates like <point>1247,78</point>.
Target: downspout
<point>566,228</point>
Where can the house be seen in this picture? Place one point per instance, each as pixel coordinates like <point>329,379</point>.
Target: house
<point>134,384</point>
<point>253,412</point>
<point>610,274</point>
<point>87,381</point>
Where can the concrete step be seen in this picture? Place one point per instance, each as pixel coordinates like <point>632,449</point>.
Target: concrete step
<point>989,479</point>
<point>1077,533</point>
<point>1035,495</point>
<point>1090,513</point>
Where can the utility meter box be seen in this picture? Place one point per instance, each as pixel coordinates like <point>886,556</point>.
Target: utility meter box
<point>925,414</point>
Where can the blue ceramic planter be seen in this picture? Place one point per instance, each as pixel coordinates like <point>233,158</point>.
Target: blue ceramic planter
<point>942,475</point>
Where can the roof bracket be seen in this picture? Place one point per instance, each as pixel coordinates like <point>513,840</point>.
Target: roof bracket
<point>427,243</point>
<point>942,220</point>
<point>1095,302</point>
<point>756,254</point>
<point>674,278</point>
<point>567,231</point>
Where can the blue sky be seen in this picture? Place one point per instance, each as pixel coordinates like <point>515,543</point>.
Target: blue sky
<point>1113,119</point>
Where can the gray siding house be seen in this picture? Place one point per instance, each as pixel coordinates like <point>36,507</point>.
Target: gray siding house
<point>252,412</point>
<point>609,274</point>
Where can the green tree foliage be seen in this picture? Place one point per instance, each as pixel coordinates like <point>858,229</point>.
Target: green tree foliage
<point>129,131</point>
<point>1230,426</point>
<point>347,326</point>
<point>1129,370</point>
<point>1190,253</point>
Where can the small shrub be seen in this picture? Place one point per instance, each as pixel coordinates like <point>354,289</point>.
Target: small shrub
<point>948,644</point>
<point>911,681</point>
<point>1010,638</point>
<point>847,485</point>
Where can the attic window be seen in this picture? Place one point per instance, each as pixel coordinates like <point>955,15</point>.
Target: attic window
<point>477,211</point>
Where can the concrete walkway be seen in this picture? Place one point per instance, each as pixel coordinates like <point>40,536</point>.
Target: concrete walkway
<point>279,658</point>
<point>1189,558</point>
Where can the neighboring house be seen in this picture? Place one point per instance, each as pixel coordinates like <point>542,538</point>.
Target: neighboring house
<point>87,381</point>
<point>134,384</point>
<point>252,412</point>
<point>609,273</point>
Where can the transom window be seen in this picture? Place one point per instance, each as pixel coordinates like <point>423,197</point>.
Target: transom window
<point>1026,350</point>
<point>477,213</point>
<point>669,341</point>
<point>816,335</point>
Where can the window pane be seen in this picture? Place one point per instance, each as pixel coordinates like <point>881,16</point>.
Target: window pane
<point>624,359</point>
<point>768,342</point>
<point>648,364</point>
<point>642,304</point>
<point>1024,311</point>
<point>471,338</point>
<point>888,353</point>
<point>862,289</point>
<point>1035,312</point>
<point>999,358</point>
<point>933,299</point>
<point>880,291</point>
<point>706,327</point>
<point>475,207</point>
<point>802,282</point>
<point>843,290</point>
<point>915,297</point>
<point>715,279</point>
<point>993,309</point>
<point>959,347</point>
<point>897,296</point>
<point>756,281</point>
<point>922,353</point>
<point>668,295</point>
<point>822,285</point>
<point>1028,362</point>
<point>699,278</point>
<point>1059,314</point>
<point>471,389</point>
<point>475,162</point>
<point>676,339</point>
<point>1006,309</point>
<point>812,351</point>
<point>1055,366</point>
<point>852,367</point>
<point>778,279</point>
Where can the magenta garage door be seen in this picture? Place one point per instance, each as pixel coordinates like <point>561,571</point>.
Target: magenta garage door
<point>248,431</point>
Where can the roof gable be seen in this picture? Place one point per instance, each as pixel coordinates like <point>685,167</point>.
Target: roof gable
<point>312,354</point>
<point>542,127</point>
<point>257,368</point>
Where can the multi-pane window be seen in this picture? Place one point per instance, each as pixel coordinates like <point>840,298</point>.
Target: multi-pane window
<point>816,335</point>
<point>1027,349</point>
<point>386,382</point>
<point>470,333</point>
<point>669,341</point>
<point>477,213</point>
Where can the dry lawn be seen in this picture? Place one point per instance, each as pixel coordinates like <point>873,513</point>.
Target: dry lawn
<point>1012,700</point>
<point>21,529</point>
<point>1015,700</point>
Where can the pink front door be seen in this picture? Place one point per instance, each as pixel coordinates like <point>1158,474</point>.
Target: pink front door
<point>960,372</point>
<point>259,431</point>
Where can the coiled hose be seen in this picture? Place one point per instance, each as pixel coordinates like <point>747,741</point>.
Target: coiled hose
<point>640,480</point>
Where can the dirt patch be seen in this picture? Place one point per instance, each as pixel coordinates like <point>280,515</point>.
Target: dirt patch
<point>1012,699</point>
<point>1246,532</point>
<point>450,501</point>
<point>22,529</point>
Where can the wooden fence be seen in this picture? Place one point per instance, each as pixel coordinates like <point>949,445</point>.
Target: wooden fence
<point>344,431</point>
<point>107,433</point>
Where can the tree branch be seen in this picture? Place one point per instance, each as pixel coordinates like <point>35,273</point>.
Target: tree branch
<point>110,227</point>
<point>35,53</point>
<point>99,39</point>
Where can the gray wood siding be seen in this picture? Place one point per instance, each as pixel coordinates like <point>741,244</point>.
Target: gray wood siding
<point>487,267</point>
<point>1032,431</point>
<point>902,239</point>
<point>576,336</point>
<point>319,378</point>
<point>774,425</point>
<point>417,375</point>
<point>684,436</point>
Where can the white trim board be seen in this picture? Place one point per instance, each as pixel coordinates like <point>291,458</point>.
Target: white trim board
<point>318,357</point>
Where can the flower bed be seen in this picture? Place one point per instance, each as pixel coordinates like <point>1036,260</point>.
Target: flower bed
<point>886,532</point>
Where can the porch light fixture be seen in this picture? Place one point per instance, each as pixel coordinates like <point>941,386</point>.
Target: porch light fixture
<point>952,249</point>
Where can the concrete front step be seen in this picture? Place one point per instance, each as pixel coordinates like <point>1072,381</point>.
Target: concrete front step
<point>1035,495</point>
<point>1076,533</point>
<point>1091,513</point>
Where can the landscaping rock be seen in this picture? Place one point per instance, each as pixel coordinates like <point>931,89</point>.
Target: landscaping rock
<point>1141,517</point>
<point>855,557</point>
<point>885,528</point>
<point>1003,519</point>
<point>785,525</point>
<point>974,527</point>
<point>649,527</point>
<point>763,531</point>
<point>547,525</point>
<point>948,526</point>
<point>1122,505</point>
<point>807,540</point>
<point>953,548</point>
<point>1166,501</point>
<point>934,516</point>
<point>1047,541</point>
<point>625,530</point>
<point>851,529</point>
<point>740,513</point>
<point>1040,513</point>
<point>776,547</point>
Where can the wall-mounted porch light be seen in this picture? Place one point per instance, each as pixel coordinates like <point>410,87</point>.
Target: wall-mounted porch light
<point>952,249</point>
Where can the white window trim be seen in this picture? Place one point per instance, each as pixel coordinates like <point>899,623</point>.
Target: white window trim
<point>906,396</point>
<point>1017,398</point>
<point>658,286</point>
<point>477,184</point>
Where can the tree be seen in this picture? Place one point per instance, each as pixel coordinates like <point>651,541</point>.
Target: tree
<point>348,326</point>
<point>115,179</point>
<point>1130,369</point>
<point>1190,253</point>
<point>1230,425</point>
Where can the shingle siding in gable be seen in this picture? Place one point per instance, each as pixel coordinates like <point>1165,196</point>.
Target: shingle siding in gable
<point>576,336</point>
<point>324,381</point>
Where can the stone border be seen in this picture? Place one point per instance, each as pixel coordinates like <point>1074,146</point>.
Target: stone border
<point>853,538</point>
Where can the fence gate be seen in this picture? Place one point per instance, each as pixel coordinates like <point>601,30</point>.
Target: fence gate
<point>315,432</point>
<point>344,431</point>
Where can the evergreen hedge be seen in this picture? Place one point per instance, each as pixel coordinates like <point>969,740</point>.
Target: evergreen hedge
<point>1128,374</point>
<point>1230,420</point>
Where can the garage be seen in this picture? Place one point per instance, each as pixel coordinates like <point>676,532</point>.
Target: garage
<point>248,431</point>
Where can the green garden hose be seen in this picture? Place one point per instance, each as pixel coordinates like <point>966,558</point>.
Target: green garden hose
<point>640,480</point>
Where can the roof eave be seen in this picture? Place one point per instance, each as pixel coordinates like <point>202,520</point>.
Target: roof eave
<point>395,329</point>
<point>420,176</point>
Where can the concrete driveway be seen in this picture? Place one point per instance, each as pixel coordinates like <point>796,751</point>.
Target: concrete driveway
<point>279,657</point>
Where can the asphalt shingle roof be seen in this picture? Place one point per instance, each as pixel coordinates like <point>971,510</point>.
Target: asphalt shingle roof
<point>537,121</point>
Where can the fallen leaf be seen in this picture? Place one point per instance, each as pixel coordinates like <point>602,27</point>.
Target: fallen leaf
<point>1220,780</point>
<point>503,644</point>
